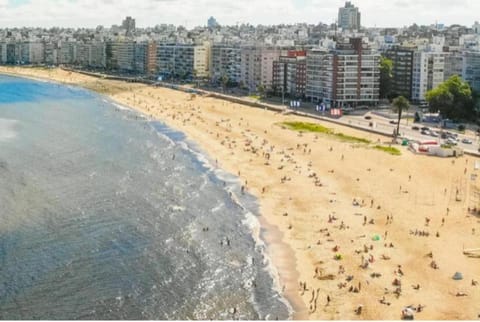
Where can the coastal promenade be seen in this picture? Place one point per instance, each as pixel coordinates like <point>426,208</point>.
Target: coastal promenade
<point>355,123</point>
<point>347,226</point>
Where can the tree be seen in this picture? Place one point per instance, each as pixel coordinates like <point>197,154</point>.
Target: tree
<point>386,77</point>
<point>453,99</point>
<point>195,77</point>
<point>261,90</point>
<point>400,104</point>
<point>224,80</point>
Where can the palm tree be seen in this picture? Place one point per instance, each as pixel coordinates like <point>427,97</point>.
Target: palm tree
<point>400,104</point>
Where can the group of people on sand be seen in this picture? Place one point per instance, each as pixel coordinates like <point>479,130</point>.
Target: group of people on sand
<point>261,148</point>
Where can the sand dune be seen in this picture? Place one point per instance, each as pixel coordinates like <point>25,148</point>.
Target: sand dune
<point>416,206</point>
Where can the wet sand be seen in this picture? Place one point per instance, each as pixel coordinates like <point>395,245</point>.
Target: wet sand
<point>387,239</point>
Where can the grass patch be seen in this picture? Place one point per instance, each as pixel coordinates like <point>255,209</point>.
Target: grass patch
<point>317,128</point>
<point>308,127</point>
<point>350,138</point>
<point>388,149</point>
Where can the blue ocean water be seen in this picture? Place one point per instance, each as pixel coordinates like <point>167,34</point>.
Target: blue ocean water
<point>105,214</point>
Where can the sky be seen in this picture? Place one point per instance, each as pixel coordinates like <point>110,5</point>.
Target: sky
<point>190,13</point>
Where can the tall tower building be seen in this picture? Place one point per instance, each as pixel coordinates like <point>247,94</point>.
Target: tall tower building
<point>349,17</point>
<point>212,23</point>
<point>129,25</point>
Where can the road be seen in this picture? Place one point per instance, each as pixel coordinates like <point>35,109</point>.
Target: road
<point>383,124</point>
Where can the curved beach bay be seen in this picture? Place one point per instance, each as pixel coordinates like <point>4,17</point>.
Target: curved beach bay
<point>404,189</point>
<point>107,214</point>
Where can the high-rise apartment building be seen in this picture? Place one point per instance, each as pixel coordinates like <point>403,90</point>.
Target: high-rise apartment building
<point>51,53</point>
<point>402,71</point>
<point>289,74</point>
<point>129,26</point>
<point>349,17</point>
<point>226,61</point>
<point>428,73</point>
<point>97,58</point>
<point>212,23</point>
<point>471,69</point>
<point>257,66</point>
<point>67,53</point>
<point>36,52</point>
<point>347,76</point>
<point>183,61</point>
<point>91,55</point>
<point>453,64</point>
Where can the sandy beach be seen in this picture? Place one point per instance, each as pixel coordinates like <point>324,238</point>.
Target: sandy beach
<point>347,226</point>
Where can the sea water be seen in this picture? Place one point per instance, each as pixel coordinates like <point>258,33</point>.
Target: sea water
<point>105,214</point>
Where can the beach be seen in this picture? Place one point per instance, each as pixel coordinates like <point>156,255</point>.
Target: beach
<point>347,226</point>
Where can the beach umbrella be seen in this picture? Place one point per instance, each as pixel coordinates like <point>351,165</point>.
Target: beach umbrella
<point>458,276</point>
<point>408,313</point>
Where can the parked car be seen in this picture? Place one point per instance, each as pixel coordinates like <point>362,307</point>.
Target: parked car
<point>415,128</point>
<point>393,122</point>
<point>435,135</point>
<point>425,128</point>
<point>368,117</point>
<point>467,141</point>
<point>424,132</point>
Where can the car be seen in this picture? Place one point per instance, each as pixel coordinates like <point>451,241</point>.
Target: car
<point>424,132</point>
<point>415,128</point>
<point>393,122</point>
<point>425,128</point>
<point>435,135</point>
<point>451,141</point>
<point>368,117</point>
<point>467,141</point>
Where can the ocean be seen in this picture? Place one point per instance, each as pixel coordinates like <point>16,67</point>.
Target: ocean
<point>106,214</point>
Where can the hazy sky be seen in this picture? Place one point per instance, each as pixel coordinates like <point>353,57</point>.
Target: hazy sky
<point>90,13</point>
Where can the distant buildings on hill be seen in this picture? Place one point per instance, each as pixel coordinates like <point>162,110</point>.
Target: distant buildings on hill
<point>335,64</point>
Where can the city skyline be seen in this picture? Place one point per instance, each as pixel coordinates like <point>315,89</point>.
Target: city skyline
<point>148,13</point>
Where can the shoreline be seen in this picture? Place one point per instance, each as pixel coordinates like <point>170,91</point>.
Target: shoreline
<point>302,212</point>
<point>272,237</point>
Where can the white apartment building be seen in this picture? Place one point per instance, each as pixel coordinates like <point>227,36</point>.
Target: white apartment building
<point>428,73</point>
<point>201,60</point>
